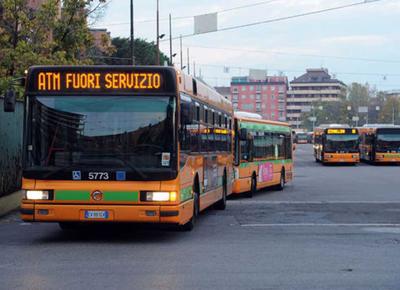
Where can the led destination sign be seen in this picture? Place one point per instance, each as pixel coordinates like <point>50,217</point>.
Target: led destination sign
<point>57,81</point>
<point>341,131</point>
<point>50,80</point>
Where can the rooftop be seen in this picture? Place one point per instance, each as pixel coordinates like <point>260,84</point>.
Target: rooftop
<point>316,75</point>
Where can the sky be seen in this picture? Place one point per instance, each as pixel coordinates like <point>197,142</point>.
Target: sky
<point>356,44</point>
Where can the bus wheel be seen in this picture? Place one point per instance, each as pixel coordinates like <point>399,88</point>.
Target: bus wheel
<point>281,184</point>
<point>196,210</point>
<point>221,204</point>
<point>253,187</point>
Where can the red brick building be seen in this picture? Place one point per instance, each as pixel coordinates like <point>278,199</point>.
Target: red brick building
<point>266,96</point>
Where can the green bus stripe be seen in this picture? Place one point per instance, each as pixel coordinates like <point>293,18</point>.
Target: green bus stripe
<point>279,161</point>
<point>72,195</point>
<point>82,195</point>
<point>186,193</point>
<point>120,196</point>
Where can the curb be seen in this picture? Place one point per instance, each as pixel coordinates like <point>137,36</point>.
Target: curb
<point>10,202</point>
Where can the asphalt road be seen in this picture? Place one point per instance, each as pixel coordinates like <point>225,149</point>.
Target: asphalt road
<point>334,227</point>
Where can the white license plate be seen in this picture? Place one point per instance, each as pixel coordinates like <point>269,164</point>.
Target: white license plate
<point>96,214</point>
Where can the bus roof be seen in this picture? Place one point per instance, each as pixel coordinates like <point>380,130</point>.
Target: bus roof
<point>199,89</point>
<point>267,125</point>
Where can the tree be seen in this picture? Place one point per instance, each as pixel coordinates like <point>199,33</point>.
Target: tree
<point>389,113</point>
<point>43,36</point>
<point>326,113</point>
<point>359,95</point>
<point>145,52</point>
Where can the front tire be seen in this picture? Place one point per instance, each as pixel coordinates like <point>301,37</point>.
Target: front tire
<point>282,181</point>
<point>196,210</point>
<point>253,187</point>
<point>221,204</point>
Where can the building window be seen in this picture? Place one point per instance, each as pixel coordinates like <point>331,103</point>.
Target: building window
<point>251,88</point>
<point>258,97</point>
<point>258,107</point>
<point>243,88</point>
<point>248,107</point>
<point>252,97</point>
<point>235,97</point>
<point>243,97</point>
<point>234,89</point>
<point>265,88</point>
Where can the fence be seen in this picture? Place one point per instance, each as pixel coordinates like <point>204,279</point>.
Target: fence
<point>11,127</point>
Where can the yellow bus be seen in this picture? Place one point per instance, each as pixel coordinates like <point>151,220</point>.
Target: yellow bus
<point>380,144</point>
<point>140,144</point>
<point>336,144</point>
<point>263,154</point>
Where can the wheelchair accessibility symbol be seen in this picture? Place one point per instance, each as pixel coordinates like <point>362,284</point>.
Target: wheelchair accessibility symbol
<point>76,175</point>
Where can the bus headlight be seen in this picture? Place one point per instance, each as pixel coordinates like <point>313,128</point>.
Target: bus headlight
<point>159,196</point>
<point>37,194</point>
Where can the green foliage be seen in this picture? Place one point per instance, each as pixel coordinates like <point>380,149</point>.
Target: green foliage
<point>145,52</point>
<point>45,36</point>
<point>390,112</point>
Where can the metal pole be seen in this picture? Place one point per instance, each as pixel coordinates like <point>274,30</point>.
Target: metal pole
<point>393,116</point>
<point>188,61</point>
<point>180,41</point>
<point>170,40</point>
<point>194,69</point>
<point>158,34</point>
<point>132,36</point>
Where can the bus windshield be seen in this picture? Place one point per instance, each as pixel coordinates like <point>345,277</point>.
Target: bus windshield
<point>389,142</point>
<point>133,134</point>
<point>336,142</point>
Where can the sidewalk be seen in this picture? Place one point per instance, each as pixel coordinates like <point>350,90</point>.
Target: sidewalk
<point>10,202</point>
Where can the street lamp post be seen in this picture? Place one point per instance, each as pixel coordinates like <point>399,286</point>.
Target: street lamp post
<point>158,34</point>
<point>132,36</point>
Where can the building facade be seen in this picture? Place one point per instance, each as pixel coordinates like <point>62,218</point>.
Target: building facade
<point>265,96</point>
<point>316,85</point>
<point>225,91</point>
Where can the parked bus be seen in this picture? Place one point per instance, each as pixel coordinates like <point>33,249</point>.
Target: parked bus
<point>302,138</point>
<point>336,145</point>
<point>263,154</point>
<point>380,144</point>
<point>123,144</point>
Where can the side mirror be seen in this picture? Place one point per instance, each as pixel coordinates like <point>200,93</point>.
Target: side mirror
<point>243,134</point>
<point>9,101</point>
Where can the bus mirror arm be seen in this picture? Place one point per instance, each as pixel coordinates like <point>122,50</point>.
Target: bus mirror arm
<point>9,101</point>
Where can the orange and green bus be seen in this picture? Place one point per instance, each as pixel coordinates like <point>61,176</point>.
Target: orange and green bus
<point>263,154</point>
<point>142,144</point>
<point>336,144</point>
<point>380,144</point>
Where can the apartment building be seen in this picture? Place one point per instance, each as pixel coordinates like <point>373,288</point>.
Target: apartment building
<point>316,85</point>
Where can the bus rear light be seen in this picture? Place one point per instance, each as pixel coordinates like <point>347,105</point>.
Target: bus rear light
<point>158,196</point>
<point>37,194</point>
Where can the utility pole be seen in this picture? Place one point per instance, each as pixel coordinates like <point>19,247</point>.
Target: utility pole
<point>188,61</point>
<point>158,34</point>
<point>132,36</point>
<point>393,115</point>
<point>170,41</point>
<point>180,41</point>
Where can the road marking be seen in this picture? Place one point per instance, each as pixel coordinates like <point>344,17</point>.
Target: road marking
<point>318,202</point>
<point>323,225</point>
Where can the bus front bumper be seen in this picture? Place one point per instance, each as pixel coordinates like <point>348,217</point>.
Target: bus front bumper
<point>387,157</point>
<point>41,212</point>
<point>341,158</point>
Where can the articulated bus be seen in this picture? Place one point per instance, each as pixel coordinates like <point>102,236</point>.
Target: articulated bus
<point>263,154</point>
<point>336,145</point>
<point>380,144</point>
<point>123,144</point>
